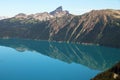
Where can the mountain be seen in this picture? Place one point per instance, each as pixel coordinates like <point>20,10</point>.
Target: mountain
<point>3,17</point>
<point>59,12</point>
<point>43,16</point>
<point>92,56</point>
<point>96,27</point>
<point>111,74</point>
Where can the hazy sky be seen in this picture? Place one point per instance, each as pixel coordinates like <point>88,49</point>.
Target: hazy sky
<point>13,7</point>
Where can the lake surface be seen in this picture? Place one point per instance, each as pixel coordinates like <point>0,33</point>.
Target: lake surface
<point>42,60</point>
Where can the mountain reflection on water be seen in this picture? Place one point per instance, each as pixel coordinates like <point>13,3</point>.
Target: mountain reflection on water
<point>95,57</point>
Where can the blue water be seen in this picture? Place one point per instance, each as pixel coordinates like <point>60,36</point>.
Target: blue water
<point>41,60</point>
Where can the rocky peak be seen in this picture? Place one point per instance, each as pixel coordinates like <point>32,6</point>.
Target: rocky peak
<point>42,16</point>
<point>57,10</point>
<point>21,16</point>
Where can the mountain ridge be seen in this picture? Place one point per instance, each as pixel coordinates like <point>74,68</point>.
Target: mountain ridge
<point>58,12</point>
<point>97,27</point>
<point>3,17</point>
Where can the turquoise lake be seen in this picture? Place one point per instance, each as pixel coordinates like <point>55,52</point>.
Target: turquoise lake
<point>42,60</point>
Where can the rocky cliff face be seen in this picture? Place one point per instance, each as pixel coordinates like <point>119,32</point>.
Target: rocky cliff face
<point>97,27</point>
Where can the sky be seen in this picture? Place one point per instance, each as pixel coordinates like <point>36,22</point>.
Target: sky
<point>77,7</point>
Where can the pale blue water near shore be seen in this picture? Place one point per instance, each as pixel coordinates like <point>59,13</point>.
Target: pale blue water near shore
<point>42,60</point>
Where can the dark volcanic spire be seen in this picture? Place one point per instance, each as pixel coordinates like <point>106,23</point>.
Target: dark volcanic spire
<point>57,10</point>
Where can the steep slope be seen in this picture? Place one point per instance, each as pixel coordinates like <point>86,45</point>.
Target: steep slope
<point>102,27</point>
<point>98,27</point>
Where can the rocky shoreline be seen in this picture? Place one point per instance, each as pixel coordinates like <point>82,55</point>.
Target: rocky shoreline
<point>111,74</point>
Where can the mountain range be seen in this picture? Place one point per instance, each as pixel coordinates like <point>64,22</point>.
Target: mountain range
<point>43,16</point>
<point>3,17</point>
<point>95,27</point>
